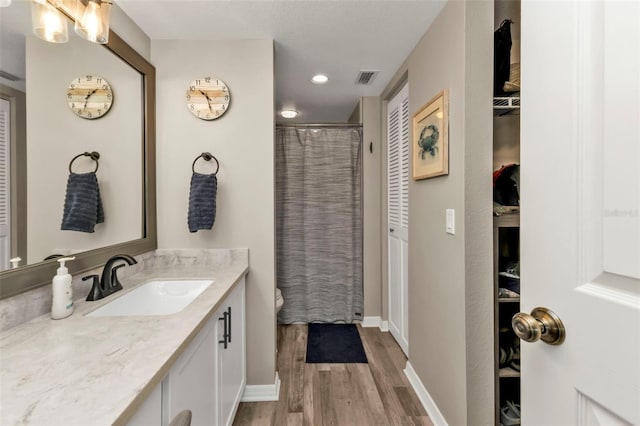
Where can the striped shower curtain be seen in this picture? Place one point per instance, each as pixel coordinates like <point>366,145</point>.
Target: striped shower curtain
<point>319,224</point>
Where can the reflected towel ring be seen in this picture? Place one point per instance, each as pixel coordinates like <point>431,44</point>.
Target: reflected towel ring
<point>207,157</point>
<point>93,155</point>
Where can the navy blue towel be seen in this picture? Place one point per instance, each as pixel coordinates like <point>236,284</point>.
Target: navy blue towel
<point>82,203</point>
<point>202,201</point>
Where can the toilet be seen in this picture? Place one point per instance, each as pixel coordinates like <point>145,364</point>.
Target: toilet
<point>279,300</point>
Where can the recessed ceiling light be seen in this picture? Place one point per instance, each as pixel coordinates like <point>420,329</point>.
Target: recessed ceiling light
<point>289,113</point>
<point>319,79</point>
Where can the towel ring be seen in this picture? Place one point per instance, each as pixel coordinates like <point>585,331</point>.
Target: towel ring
<point>94,156</point>
<point>207,157</point>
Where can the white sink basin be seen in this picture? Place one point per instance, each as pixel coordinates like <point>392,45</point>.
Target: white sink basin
<point>161,297</point>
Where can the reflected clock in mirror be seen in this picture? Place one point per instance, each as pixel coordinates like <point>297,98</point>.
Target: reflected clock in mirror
<point>89,96</point>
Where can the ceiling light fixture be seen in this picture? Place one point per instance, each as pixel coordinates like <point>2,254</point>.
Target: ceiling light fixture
<point>319,79</point>
<point>289,113</point>
<point>92,20</point>
<point>49,24</point>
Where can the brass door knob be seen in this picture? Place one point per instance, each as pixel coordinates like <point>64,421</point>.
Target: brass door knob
<point>543,324</point>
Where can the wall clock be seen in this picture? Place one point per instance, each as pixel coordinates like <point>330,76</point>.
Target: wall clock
<point>89,96</point>
<point>208,98</point>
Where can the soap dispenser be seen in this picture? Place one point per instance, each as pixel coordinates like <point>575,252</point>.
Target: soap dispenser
<point>62,303</point>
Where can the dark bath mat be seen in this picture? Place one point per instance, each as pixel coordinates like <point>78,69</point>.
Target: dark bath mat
<point>334,343</point>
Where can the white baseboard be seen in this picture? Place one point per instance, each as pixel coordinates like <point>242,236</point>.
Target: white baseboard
<point>427,402</point>
<point>371,321</point>
<point>375,322</point>
<point>254,393</point>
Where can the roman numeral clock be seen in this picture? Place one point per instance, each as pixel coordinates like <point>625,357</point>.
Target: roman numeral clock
<point>89,96</point>
<point>208,98</point>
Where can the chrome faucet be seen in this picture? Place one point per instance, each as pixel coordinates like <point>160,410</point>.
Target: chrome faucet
<point>109,283</point>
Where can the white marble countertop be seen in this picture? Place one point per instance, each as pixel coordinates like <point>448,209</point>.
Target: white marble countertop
<point>96,371</point>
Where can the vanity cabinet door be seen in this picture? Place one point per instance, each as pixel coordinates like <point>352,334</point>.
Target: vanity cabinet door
<point>232,359</point>
<point>191,382</point>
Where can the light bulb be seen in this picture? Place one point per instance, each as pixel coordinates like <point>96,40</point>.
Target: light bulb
<point>52,25</point>
<point>93,21</point>
<point>48,23</point>
<point>289,113</point>
<point>319,79</point>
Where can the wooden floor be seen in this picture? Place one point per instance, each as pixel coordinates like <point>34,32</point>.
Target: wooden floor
<point>376,393</point>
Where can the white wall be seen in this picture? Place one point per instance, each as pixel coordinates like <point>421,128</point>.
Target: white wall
<point>242,141</point>
<point>55,135</point>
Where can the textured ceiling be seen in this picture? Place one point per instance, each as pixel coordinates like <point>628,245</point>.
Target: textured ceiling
<point>337,38</point>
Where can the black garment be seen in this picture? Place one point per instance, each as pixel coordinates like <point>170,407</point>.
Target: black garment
<point>501,57</point>
<point>506,183</point>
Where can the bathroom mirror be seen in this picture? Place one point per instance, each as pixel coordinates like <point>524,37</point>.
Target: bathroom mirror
<point>39,168</point>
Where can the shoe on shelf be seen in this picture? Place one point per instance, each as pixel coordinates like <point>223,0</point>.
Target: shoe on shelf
<point>506,356</point>
<point>510,414</point>
<point>515,358</point>
<point>505,293</point>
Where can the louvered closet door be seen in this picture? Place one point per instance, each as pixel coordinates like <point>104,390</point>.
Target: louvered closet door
<point>5,222</point>
<point>398,215</point>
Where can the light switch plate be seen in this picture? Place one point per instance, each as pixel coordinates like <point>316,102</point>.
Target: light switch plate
<point>451,221</point>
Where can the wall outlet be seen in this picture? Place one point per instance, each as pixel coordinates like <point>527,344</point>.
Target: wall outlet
<point>451,221</point>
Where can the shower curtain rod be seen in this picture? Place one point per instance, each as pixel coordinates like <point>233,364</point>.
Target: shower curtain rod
<point>319,125</point>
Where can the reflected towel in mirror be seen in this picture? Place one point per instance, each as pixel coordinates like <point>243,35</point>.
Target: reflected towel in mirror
<point>202,201</point>
<point>82,204</point>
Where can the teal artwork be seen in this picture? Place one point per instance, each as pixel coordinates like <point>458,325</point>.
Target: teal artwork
<point>428,141</point>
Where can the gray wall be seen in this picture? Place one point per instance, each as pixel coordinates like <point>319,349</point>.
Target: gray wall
<point>129,31</point>
<point>55,135</point>
<point>370,118</point>
<point>450,278</point>
<point>242,141</point>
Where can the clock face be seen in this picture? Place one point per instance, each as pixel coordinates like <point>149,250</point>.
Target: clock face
<point>208,98</point>
<point>89,96</point>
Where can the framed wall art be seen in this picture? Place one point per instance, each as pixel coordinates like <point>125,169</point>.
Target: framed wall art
<point>430,147</point>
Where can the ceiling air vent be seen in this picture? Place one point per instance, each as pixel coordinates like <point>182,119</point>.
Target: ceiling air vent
<point>366,77</point>
<point>8,76</point>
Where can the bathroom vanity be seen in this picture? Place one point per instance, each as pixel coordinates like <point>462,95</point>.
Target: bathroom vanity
<point>134,369</point>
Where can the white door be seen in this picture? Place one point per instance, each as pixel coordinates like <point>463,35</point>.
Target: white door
<point>580,218</point>
<point>5,173</point>
<point>398,215</point>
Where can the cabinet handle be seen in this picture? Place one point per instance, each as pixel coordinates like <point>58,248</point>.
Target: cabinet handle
<point>229,332</point>
<point>224,335</point>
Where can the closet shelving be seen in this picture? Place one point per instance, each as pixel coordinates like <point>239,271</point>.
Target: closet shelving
<point>506,220</point>
<point>506,239</point>
<point>506,105</point>
<point>506,252</point>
